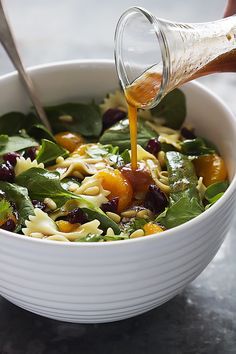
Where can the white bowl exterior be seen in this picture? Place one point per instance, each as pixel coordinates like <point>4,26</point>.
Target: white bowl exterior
<point>92,283</point>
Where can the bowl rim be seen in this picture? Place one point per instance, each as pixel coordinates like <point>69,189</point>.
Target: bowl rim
<point>167,233</point>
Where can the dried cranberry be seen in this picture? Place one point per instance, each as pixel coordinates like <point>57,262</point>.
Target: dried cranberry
<point>111,206</point>
<point>7,172</point>
<point>38,204</point>
<point>187,133</point>
<point>153,146</point>
<point>11,157</point>
<point>112,116</point>
<point>155,200</point>
<point>31,153</point>
<point>76,216</point>
<point>9,225</point>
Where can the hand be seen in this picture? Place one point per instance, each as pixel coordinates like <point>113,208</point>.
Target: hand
<point>230,8</point>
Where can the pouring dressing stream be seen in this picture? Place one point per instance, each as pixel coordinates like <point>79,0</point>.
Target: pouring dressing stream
<point>154,56</point>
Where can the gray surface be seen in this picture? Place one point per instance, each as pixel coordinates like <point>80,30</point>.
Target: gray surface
<point>202,319</point>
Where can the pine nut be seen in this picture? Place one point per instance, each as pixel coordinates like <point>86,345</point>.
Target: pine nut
<point>161,158</point>
<point>110,232</point>
<point>129,213</point>
<point>143,214</point>
<point>66,118</point>
<point>137,233</point>
<point>59,160</point>
<point>50,203</point>
<point>37,235</point>
<point>77,174</point>
<point>92,190</point>
<point>113,216</point>
<point>100,165</point>
<point>72,187</point>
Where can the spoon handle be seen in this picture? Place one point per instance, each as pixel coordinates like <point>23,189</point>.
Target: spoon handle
<point>7,41</point>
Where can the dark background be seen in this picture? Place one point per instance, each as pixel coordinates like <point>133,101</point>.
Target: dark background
<point>202,319</point>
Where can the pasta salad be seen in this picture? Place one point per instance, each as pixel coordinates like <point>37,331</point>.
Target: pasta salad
<point>77,185</point>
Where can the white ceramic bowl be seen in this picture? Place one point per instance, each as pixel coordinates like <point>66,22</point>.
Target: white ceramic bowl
<point>102,282</point>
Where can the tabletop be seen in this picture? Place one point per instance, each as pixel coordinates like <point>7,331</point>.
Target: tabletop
<point>201,319</point>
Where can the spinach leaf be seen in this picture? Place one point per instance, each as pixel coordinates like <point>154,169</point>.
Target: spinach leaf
<point>68,181</point>
<point>99,238</point>
<point>19,195</point>
<point>215,191</point>
<point>17,143</point>
<point>85,118</point>
<point>180,212</point>
<point>119,134</point>
<point>11,123</point>
<point>98,150</point>
<point>5,209</point>
<point>172,108</point>
<point>3,140</point>
<point>109,152</point>
<point>196,147</point>
<point>133,225</point>
<point>182,177</point>
<point>49,151</point>
<point>185,202</point>
<point>43,184</point>
<point>105,221</point>
<point>39,131</point>
<point>125,156</point>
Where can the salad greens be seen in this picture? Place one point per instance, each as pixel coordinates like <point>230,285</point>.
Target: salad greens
<point>172,108</point>
<point>15,143</point>
<point>18,195</point>
<point>87,191</point>
<point>49,151</point>
<point>43,184</point>
<point>185,202</point>
<point>118,134</point>
<point>76,117</point>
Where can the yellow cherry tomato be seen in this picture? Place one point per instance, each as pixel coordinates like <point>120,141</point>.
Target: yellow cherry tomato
<point>69,141</point>
<point>118,185</point>
<point>211,167</point>
<point>151,228</point>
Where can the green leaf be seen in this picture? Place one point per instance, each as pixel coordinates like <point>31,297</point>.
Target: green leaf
<point>180,212</point>
<point>185,202</point>
<point>85,118</point>
<point>133,225</point>
<point>182,177</point>
<point>99,238</point>
<point>105,221</point>
<point>3,140</point>
<point>125,156</point>
<point>119,134</point>
<point>215,191</point>
<point>98,150</point>
<point>12,122</point>
<point>17,143</point>
<point>109,152</point>
<point>172,108</point>
<point>196,147</point>
<point>49,151</point>
<point>43,184</point>
<point>19,195</point>
<point>39,131</point>
<point>68,181</point>
<point>5,209</point>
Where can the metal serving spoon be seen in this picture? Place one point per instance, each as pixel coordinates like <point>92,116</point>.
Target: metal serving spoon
<point>8,42</point>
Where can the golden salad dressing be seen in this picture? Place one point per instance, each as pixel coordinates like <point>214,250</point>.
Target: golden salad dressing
<point>138,95</point>
<point>146,87</point>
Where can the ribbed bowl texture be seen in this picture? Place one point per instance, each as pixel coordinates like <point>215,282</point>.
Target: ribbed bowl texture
<point>103,282</point>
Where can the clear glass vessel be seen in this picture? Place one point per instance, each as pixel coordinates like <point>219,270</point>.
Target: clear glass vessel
<point>153,56</point>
